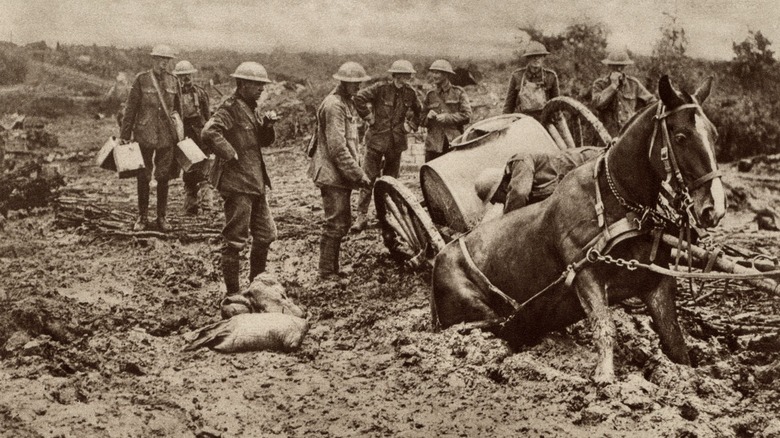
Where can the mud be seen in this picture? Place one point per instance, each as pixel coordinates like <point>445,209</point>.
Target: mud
<point>91,339</point>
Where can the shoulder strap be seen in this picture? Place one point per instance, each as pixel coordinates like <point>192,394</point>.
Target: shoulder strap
<point>165,107</point>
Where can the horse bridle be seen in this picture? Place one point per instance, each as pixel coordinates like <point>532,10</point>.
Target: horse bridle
<point>681,195</point>
<point>671,168</point>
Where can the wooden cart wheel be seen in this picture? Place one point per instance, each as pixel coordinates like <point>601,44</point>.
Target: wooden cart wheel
<point>571,124</point>
<point>407,230</point>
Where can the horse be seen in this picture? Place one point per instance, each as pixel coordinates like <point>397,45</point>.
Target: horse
<point>607,206</point>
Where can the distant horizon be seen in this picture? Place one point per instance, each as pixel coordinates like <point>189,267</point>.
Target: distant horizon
<point>475,29</point>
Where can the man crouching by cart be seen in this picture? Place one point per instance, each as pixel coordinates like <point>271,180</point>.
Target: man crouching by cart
<point>236,135</point>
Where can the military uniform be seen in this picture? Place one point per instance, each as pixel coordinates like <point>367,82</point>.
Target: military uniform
<point>145,121</point>
<point>194,102</point>
<point>529,90</point>
<point>532,177</point>
<point>616,103</point>
<point>452,102</point>
<point>235,129</point>
<point>386,137</point>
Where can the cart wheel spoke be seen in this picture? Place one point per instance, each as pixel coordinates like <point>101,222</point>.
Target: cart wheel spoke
<point>575,124</point>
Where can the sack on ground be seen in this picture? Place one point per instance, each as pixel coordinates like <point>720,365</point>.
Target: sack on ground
<point>251,332</point>
<point>105,157</point>
<point>266,294</point>
<point>128,159</point>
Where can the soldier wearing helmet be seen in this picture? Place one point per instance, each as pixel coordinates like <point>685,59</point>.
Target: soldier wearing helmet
<point>446,110</point>
<point>617,96</point>
<point>532,86</point>
<point>334,167</point>
<point>391,109</point>
<point>194,112</point>
<point>236,134</point>
<point>150,111</point>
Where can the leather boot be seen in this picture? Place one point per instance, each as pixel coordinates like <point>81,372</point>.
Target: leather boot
<point>162,206</point>
<point>329,256</point>
<point>361,222</point>
<point>230,270</point>
<point>257,259</point>
<point>142,222</point>
<point>191,207</point>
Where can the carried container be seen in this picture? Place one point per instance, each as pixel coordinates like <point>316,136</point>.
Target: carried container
<point>188,154</point>
<point>128,159</point>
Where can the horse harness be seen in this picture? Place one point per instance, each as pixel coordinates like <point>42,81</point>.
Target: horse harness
<point>639,220</point>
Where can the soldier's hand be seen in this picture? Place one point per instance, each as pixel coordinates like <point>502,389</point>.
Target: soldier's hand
<point>615,77</point>
<point>235,156</point>
<point>270,117</point>
<point>365,181</point>
<point>431,115</point>
<point>370,119</point>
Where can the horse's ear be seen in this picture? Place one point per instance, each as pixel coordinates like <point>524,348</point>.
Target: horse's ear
<point>669,96</point>
<point>704,89</point>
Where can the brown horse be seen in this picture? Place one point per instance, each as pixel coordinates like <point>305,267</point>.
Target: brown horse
<point>484,275</point>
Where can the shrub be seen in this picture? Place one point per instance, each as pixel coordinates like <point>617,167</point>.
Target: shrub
<point>13,68</point>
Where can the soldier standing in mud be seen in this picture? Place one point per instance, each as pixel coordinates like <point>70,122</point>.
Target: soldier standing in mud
<point>532,86</point>
<point>394,112</point>
<point>615,96</point>
<point>446,110</point>
<point>148,118</point>
<point>194,112</point>
<point>334,168</point>
<point>237,135</point>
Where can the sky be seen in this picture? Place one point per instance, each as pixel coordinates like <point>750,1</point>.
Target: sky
<point>459,28</point>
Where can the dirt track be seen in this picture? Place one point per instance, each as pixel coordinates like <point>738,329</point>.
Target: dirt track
<point>91,334</point>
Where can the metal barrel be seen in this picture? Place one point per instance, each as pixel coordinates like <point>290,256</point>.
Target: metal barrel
<point>448,181</point>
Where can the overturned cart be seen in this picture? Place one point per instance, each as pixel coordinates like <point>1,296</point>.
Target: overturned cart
<point>414,232</point>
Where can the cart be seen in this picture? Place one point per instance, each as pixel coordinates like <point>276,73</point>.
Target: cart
<point>415,232</point>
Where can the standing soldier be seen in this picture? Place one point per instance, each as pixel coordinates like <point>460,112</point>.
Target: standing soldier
<point>334,168</point>
<point>394,112</point>
<point>194,111</point>
<point>149,119</point>
<point>446,110</point>
<point>532,86</point>
<point>236,134</point>
<point>615,96</point>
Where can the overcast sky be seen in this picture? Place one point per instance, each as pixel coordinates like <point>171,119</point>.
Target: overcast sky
<point>432,27</point>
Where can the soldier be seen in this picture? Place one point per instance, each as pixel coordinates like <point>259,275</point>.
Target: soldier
<point>530,177</point>
<point>532,86</point>
<point>394,112</point>
<point>195,111</point>
<point>237,134</point>
<point>446,110</point>
<point>149,116</point>
<point>334,168</point>
<point>615,96</point>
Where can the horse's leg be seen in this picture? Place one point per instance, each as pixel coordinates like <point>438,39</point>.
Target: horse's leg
<point>455,298</point>
<point>593,297</point>
<point>661,306</point>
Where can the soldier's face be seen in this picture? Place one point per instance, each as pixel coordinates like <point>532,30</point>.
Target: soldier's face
<point>253,90</point>
<point>401,79</point>
<point>351,88</point>
<point>438,77</point>
<point>185,79</point>
<point>535,61</point>
<point>160,64</point>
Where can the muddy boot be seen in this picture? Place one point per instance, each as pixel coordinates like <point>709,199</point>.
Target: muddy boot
<point>329,257</point>
<point>257,259</point>
<point>191,207</point>
<point>142,222</point>
<point>162,206</point>
<point>230,268</point>
<point>361,223</point>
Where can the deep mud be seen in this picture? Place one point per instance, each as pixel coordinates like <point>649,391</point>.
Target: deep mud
<point>91,338</point>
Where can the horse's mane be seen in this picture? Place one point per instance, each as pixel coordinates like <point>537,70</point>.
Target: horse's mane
<point>636,115</point>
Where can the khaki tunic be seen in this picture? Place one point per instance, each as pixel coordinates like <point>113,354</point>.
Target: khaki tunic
<point>453,103</point>
<point>529,90</point>
<point>616,104</point>
<point>144,119</point>
<point>391,107</point>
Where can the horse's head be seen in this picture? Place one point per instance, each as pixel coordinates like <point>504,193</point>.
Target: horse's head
<point>689,140</point>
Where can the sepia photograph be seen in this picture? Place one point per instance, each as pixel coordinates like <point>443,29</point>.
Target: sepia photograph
<point>389,218</point>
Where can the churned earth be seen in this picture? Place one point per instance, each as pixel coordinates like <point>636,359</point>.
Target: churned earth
<point>91,337</point>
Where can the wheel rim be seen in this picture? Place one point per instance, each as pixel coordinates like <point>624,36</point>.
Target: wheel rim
<point>574,125</point>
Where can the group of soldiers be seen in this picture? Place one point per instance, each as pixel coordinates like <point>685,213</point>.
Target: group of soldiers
<point>163,108</point>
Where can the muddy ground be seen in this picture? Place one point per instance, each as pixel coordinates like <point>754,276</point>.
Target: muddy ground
<point>91,338</point>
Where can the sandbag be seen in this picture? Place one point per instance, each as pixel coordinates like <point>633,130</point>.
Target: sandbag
<point>251,332</point>
<point>265,294</point>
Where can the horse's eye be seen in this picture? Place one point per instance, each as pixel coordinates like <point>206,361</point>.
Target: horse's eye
<point>679,138</point>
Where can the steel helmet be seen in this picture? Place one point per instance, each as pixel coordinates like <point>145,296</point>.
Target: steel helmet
<point>251,71</point>
<point>351,72</point>
<point>442,65</point>
<point>402,66</point>
<point>163,51</point>
<point>184,68</point>
<point>535,48</point>
<point>617,57</point>
<point>487,183</point>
